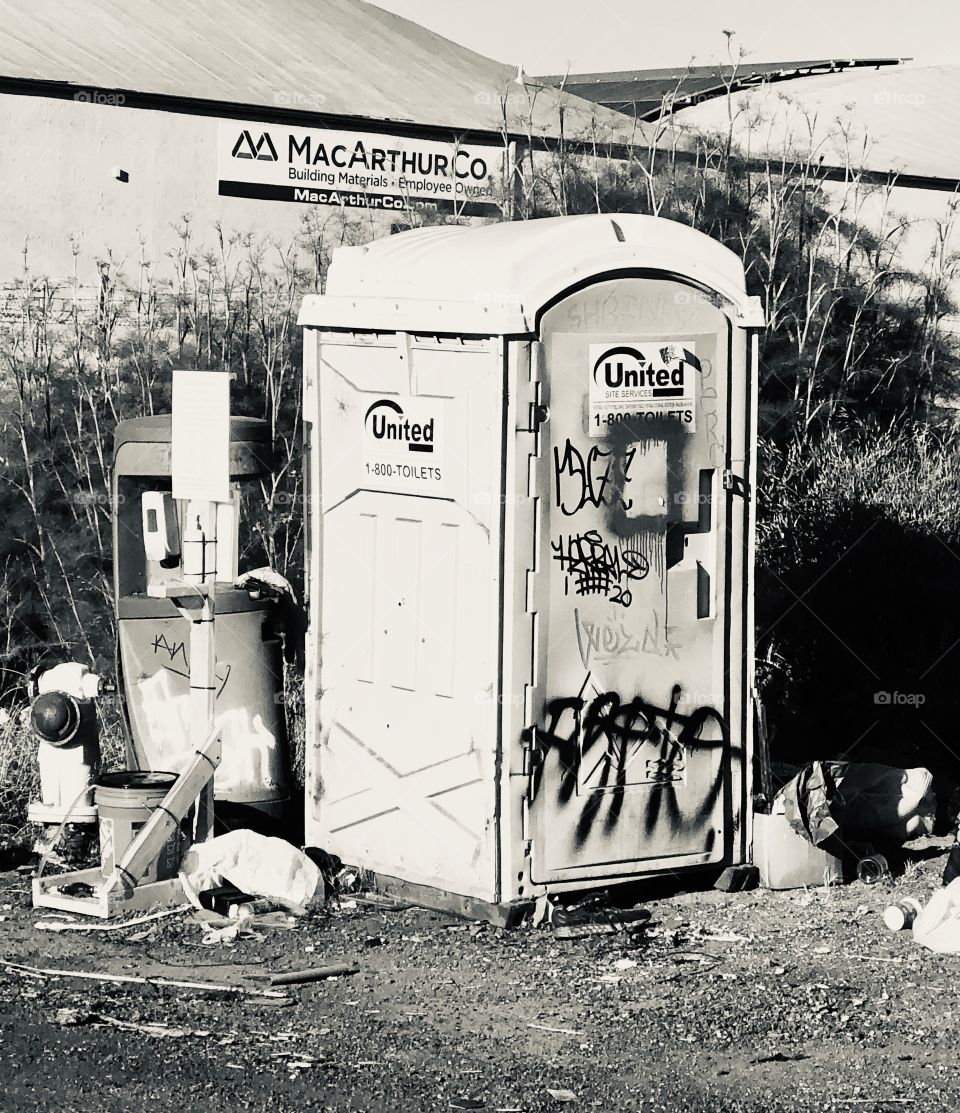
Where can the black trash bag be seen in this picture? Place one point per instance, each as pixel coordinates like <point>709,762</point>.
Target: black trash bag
<point>859,800</point>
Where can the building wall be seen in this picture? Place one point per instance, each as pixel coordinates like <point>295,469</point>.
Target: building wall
<point>57,182</point>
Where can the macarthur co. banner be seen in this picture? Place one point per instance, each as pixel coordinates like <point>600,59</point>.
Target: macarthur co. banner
<point>318,166</point>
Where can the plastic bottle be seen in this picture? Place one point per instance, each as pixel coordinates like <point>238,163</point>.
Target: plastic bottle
<point>902,914</point>
<point>252,908</point>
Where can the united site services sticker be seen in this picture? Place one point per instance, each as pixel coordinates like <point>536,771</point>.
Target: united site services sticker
<point>402,443</point>
<point>642,381</point>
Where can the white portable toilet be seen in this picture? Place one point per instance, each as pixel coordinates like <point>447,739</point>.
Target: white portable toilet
<point>530,548</point>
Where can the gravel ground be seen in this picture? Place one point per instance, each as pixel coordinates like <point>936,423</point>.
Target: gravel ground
<point>755,1001</point>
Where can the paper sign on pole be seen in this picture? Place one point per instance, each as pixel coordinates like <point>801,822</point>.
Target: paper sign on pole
<point>200,440</point>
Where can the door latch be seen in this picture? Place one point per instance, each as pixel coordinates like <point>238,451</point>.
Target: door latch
<point>735,483</point>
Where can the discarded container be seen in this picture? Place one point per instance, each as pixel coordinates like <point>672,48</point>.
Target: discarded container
<point>872,869</point>
<point>250,908</point>
<point>785,859</point>
<point>531,466</point>
<point>125,802</point>
<point>902,914</point>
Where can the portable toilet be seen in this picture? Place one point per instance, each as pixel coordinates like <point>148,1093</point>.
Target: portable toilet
<point>153,636</point>
<point>530,548</point>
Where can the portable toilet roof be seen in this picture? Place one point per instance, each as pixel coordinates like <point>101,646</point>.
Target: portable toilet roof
<point>494,280</point>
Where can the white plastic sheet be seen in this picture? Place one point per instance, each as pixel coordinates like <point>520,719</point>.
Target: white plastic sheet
<point>937,926</point>
<point>256,864</point>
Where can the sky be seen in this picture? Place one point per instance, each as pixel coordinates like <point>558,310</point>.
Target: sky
<point>586,36</point>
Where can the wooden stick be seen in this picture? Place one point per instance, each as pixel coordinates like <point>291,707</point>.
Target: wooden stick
<point>315,974</point>
<point>53,925</point>
<point>217,987</point>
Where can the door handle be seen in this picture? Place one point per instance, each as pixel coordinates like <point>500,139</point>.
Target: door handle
<point>693,576</point>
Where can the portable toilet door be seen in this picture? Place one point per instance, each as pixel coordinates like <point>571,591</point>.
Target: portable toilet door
<point>536,658</point>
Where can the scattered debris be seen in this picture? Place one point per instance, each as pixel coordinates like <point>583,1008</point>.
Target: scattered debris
<point>738,879</point>
<point>314,974</point>
<point>558,1031</point>
<point>383,902</point>
<point>57,925</point>
<point>73,1018</point>
<point>580,923</point>
<point>130,979</point>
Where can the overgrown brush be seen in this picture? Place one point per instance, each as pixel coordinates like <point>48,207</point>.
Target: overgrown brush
<point>857,613</point>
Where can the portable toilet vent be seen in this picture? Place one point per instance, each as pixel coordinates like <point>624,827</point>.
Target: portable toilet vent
<point>531,460</point>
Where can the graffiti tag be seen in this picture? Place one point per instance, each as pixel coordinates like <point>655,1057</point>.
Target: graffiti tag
<point>176,652</point>
<point>594,480</point>
<point>603,745</point>
<point>597,567</point>
<point>606,641</point>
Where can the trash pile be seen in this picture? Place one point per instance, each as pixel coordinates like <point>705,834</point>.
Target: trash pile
<point>836,820</point>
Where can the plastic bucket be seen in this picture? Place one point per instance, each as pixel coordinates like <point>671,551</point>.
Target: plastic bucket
<point>125,801</point>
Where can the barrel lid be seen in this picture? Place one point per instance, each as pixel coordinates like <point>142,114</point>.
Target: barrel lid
<point>134,780</point>
<point>156,429</point>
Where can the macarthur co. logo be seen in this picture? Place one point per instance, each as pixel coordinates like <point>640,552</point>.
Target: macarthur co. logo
<point>263,150</point>
<point>387,422</point>
<point>626,367</point>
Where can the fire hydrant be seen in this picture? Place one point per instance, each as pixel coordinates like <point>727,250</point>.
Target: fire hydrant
<point>64,719</point>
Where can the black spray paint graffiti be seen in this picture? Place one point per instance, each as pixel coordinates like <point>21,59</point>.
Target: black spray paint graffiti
<point>598,480</point>
<point>596,567</point>
<point>177,652</point>
<point>174,651</point>
<point>598,748</point>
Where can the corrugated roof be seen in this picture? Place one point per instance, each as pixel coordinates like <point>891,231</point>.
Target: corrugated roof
<point>642,92</point>
<point>904,120</point>
<point>342,58</point>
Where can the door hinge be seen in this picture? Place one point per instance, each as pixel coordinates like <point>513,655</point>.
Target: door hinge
<point>735,483</point>
<point>531,752</point>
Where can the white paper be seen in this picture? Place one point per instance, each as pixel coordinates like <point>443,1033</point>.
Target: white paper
<point>201,435</point>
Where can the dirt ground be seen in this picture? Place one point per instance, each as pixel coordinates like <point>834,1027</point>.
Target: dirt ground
<point>753,1001</point>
